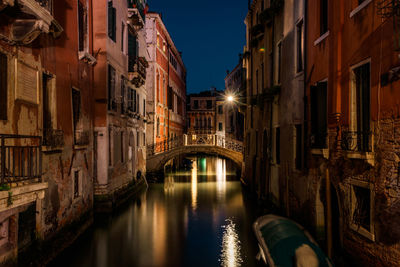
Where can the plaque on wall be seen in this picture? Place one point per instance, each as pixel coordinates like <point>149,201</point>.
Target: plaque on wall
<point>26,83</point>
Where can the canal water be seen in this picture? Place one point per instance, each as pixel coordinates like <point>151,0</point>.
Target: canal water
<point>198,217</point>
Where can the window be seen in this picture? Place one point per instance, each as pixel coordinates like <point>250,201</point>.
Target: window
<point>209,123</point>
<point>3,86</point>
<point>112,16</point>
<point>323,16</point>
<point>144,139</point>
<point>76,106</point>
<point>158,88</point>
<point>256,81</point>
<point>137,103</point>
<point>133,51</point>
<point>319,115</point>
<point>278,145</point>
<point>360,106</point>
<point>361,197</point>
<point>360,2</point>
<point>138,139</point>
<point>196,104</point>
<point>76,183</point>
<point>111,88</point>
<point>123,89</point>
<point>47,100</point>
<point>132,100</point>
<point>220,111</point>
<point>122,37</point>
<point>279,63</point>
<point>158,126</point>
<point>299,46</point>
<point>144,107</point>
<point>209,104</point>
<point>298,142</point>
<point>172,60</point>
<point>82,27</point>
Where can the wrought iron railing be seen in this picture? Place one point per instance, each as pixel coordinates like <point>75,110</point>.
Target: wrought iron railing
<point>137,69</point>
<point>356,141</point>
<point>136,4</point>
<point>20,158</point>
<point>81,138</point>
<point>53,138</point>
<point>195,140</point>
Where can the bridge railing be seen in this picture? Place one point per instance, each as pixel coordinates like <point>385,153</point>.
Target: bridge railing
<point>195,140</point>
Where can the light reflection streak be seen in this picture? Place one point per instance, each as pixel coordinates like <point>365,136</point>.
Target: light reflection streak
<point>221,177</point>
<point>230,255</point>
<point>194,186</point>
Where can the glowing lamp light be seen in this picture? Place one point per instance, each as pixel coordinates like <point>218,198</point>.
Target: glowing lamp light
<point>262,49</point>
<point>230,98</point>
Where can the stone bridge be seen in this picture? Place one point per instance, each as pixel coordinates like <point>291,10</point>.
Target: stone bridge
<point>160,153</point>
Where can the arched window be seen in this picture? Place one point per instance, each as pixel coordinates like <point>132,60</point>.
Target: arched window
<point>205,122</point>
<point>209,122</point>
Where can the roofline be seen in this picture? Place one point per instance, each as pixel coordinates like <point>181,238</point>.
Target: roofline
<point>157,16</point>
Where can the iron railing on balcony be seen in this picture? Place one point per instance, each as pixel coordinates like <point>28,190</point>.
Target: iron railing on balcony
<point>356,141</point>
<point>53,138</point>
<point>137,70</point>
<point>20,158</point>
<point>137,4</point>
<point>81,138</point>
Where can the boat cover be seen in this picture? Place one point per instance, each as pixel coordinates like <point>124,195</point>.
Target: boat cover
<point>283,237</point>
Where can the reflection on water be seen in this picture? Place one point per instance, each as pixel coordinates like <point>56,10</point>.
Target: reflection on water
<point>196,217</point>
<point>230,256</point>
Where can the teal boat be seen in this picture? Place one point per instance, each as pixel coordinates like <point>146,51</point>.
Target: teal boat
<point>284,243</point>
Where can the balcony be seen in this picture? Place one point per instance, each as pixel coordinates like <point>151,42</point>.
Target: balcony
<point>356,141</point>
<point>136,14</point>
<point>81,138</point>
<point>137,70</point>
<point>53,138</point>
<point>20,159</point>
<point>27,19</point>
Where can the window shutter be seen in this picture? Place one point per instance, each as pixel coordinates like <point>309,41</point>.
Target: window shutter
<point>81,22</point>
<point>111,21</point>
<point>3,87</point>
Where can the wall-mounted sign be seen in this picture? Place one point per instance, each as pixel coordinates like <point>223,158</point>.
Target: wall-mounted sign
<point>26,83</point>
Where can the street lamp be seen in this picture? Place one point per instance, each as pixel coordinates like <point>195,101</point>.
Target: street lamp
<point>230,98</point>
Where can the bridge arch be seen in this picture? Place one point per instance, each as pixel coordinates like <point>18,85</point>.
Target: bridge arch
<point>159,154</point>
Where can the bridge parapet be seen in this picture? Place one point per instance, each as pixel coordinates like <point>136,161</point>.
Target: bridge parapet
<point>194,140</point>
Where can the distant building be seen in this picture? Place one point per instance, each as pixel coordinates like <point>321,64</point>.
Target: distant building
<point>120,94</point>
<point>235,86</point>
<point>166,83</point>
<point>201,113</point>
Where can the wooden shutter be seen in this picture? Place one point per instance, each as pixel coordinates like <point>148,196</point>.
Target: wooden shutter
<point>3,87</point>
<point>111,21</point>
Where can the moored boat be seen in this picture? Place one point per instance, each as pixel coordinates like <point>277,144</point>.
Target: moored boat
<point>285,243</point>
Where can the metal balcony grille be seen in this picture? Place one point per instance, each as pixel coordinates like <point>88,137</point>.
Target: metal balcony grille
<point>20,158</point>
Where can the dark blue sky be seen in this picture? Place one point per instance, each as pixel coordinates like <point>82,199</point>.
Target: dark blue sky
<point>210,33</point>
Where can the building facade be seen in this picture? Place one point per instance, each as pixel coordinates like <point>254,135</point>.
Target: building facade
<point>46,111</point>
<point>166,84</point>
<point>234,117</point>
<point>202,113</point>
<point>120,95</point>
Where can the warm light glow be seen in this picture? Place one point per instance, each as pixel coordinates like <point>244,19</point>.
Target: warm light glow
<point>230,98</point>
<point>262,49</point>
<point>221,177</point>
<point>194,186</point>
<point>230,256</point>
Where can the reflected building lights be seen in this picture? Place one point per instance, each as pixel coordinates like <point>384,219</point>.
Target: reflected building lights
<point>221,177</point>
<point>194,186</point>
<point>230,256</point>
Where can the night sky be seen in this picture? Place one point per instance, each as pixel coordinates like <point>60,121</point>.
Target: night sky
<point>210,33</point>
